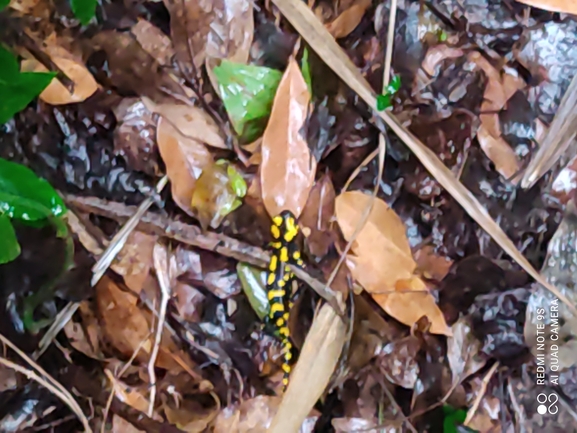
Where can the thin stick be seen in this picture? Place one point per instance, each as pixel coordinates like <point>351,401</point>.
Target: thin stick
<point>162,268</point>
<point>64,396</point>
<point>481,394</point>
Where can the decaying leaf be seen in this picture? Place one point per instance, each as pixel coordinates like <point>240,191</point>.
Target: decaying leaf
<point>125,326</point>
<point>56,93</point>
<point>185,159</point>
<point>317,216</point>
<point>382,262</point>
<point>190,420</point>
<point>288,168</point>
<point>349,19</point>
<point>430,265</point>
<point>154,41</point>
<point>500,152</point>
<point>252,415</point>
<point>85,336</point>
<point>463,351</point>
<point>135,259</point>
<point>221,29</point>
<point>192,122</point>
<point>564,6</point>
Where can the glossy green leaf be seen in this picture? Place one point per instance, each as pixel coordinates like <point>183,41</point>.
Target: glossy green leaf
<point>247,92</point>
<point>84,10</point>
<point>25,196</point>
<point>3,4</point>
<point>384,100</point>
<point>253,283</point>
<point>306,70</point>
<point>18,88</point>
<point>453,418</point>
<point>9,246</point>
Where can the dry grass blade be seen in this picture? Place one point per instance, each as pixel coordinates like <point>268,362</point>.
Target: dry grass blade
<point>317,361</point>
<point>308,26</point>
<point>560,135</point>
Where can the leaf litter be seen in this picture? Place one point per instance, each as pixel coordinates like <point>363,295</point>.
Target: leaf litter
<point>442,320</point>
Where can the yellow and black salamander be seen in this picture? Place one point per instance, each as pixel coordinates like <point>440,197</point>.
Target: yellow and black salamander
<point>284,231</point>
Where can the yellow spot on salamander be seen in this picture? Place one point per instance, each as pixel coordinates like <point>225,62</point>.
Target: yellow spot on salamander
<point>275,232</point>
<point>280,322</point>
<point>296,255</point>
<point>272,294</point>
<point>284,331</point>
<point>286,277</point>
<point>286,368</point>
<point>276,245</point>
<point>291,229</point>
<point>281,283</point>
<point>284,255</point>
<point>273,263</point>
<point>277,307</point>
<point>286,316</point>
<point>271,279</point>
<point>285,381</point>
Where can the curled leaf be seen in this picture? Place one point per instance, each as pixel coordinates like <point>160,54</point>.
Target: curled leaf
<point>382,262</point>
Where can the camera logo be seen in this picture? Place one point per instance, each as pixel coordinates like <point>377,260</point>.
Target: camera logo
<point>547,403</point>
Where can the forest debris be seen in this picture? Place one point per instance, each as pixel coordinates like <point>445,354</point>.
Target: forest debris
<point>349,19</point>
<point>288,169</point>
<point>185,159</point>
<point>382,262</point>
<point>313,32</point>
<point>129,395</point>
<point>500,152</point>
<point>430,265</point>
<point>154,41</point>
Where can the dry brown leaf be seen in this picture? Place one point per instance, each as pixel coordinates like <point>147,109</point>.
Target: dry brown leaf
<point>185,159</point>
<point>349,19</point>
<point>310,377</point>
<point>221,29</point>
<point>25,6</point>
<point>154,41</point>
<point>193,420</point>
<point>565,6</point>
<point>382,262</point>
<point>315,34</point>
<point>463,351</point>
<point>129,395</point>
<point>288,168</point>
<point>55,93</point>
<point>125,326</point>
<point>192,122</point>
<point>500,153</point>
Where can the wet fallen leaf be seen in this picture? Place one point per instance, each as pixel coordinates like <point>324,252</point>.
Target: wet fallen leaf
<point>398,361</point>
<point>222,29</point>
<point>381,261</point>
<point>247,92</point>
<point>56,93</point>
<point>565,6</point>
<point>192,122</point>
<point>154,41</point>
<point>134,136</point>
<point>349,19</point>
<point>288,168</point>
<point>500,153</point>
<point>185,159</point>
<point>317,217</point>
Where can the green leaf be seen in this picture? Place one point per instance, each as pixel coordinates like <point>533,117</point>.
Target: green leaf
<point>9,70</point>
<point>84,10</point>
<point>253,283</point>
<point>453,418</point>
<point>383,102</point>
<point>394,85</point>
<point>3,4</point>
<point>25,196</point>
<point>306,70</point>
<point>9,246</point>
<point>247,92</point>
